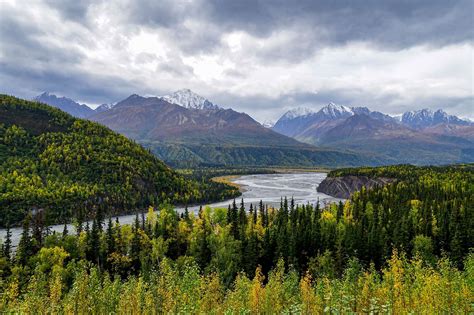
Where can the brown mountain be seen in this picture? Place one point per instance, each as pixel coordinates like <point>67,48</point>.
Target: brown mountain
<point>187,137</point>
<point>152,118</point>
<point>400,143</point>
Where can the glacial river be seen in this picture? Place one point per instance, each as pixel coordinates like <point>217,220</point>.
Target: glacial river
<point>267,187</point>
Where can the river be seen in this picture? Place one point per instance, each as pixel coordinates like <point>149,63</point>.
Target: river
<point>267,187</point>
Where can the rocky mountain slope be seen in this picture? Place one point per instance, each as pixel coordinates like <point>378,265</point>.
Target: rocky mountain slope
<point>420,137</point>
<point>198,133</point>
<point>189,99</point>
<point>344,187</point>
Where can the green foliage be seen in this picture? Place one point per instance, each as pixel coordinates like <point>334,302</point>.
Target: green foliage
<point>71,167</point>
<point>403,286</point>
<point>262,155</point>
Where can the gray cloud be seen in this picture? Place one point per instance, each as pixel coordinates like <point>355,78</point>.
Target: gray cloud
<point>84,52</point>
<point>384,24</point>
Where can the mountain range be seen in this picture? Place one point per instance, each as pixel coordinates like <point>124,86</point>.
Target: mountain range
<point>418,137</point>
<point>187,130</point>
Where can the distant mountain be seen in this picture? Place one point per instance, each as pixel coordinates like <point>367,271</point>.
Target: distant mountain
<point>362,126</point>
<point>307,125</point>
<point>268,123</point>
<point>197,133</point>
<point>427,118</point>
<point>65,104</point>
<point>190,100</point>
<point>420,137</point>
<point>103,108</point>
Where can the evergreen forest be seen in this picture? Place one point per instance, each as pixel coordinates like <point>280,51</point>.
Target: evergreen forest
<point>402,248</point>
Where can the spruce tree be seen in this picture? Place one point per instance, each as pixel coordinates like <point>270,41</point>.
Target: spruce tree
<point>25,247</point>
<point>7,245</point>
<point>110,241</point>
<point>135,245</point>
<point>261,212</point>
<point>65,230</point>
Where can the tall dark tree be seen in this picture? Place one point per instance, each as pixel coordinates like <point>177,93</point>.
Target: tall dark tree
<point>7,245</point>
<point>25,246</point>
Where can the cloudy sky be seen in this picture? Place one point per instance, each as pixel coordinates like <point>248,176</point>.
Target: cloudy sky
<point>261,57</point>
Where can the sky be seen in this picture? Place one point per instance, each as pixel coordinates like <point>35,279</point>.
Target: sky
<point>258,57</point>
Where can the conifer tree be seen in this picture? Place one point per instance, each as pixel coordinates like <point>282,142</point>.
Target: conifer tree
<point>7,245</point>
<point>25,248</point>
<point>110,241</point>
<point>135,245</point>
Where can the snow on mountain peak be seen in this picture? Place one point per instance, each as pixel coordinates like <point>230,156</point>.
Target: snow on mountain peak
<point>298,112</point>
<point>268,123</point>
<point>426,117</point>
<point>335,111</point>
<point>189,99</point>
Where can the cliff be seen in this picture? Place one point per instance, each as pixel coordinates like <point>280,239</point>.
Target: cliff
<point>343,187</point>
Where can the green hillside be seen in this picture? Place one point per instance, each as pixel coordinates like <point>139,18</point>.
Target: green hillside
<point>188,155</point>
<point>72,167</point>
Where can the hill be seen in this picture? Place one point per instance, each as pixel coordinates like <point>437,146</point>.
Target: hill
<point>64,167</point>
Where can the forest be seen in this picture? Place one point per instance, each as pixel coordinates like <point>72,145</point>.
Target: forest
<point>402,248</point>
<point>66,167</point>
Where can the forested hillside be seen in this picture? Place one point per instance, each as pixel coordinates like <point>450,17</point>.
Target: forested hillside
<point>391,249</point>
<point>65,167</point>
<point>189,155</point>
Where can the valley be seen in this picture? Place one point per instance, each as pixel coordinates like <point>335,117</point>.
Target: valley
<point>236,157</point>
<point>268,188</point>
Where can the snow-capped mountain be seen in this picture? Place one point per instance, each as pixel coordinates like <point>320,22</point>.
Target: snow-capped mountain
<point>423,118</point>
<point>296,121</point>
<point>189,99</point>
<point>268,123</point>
<point>65,104</point>
<point>333,111</point>
<point>297,112</point>
<point>103,108</point>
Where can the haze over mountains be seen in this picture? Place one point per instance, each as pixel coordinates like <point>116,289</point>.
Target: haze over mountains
<point>186,129</point>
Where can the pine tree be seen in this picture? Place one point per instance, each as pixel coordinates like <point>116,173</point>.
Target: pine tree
<point>235,220</point>
<point>186,214</point>
<point>261,212</point>
<point>65,231</point>
<point>7,245</point>
<point>110,241</point>
<point>94,243</point>
<point>242,219</point>
<point>135,245</point>
<point>25,247</point>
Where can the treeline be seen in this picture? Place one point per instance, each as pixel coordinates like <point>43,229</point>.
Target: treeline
<point>66,167</point>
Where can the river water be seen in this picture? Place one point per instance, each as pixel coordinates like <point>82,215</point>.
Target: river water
<point>270,188</point>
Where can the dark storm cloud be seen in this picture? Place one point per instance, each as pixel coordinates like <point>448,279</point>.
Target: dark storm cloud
<point>393,23</point>
<point>35,56</point>
<point>384,24</point>
<point>72,82</point>
<point>71,10</point>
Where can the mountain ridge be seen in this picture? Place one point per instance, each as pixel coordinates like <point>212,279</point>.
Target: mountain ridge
<point>433,137</point>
